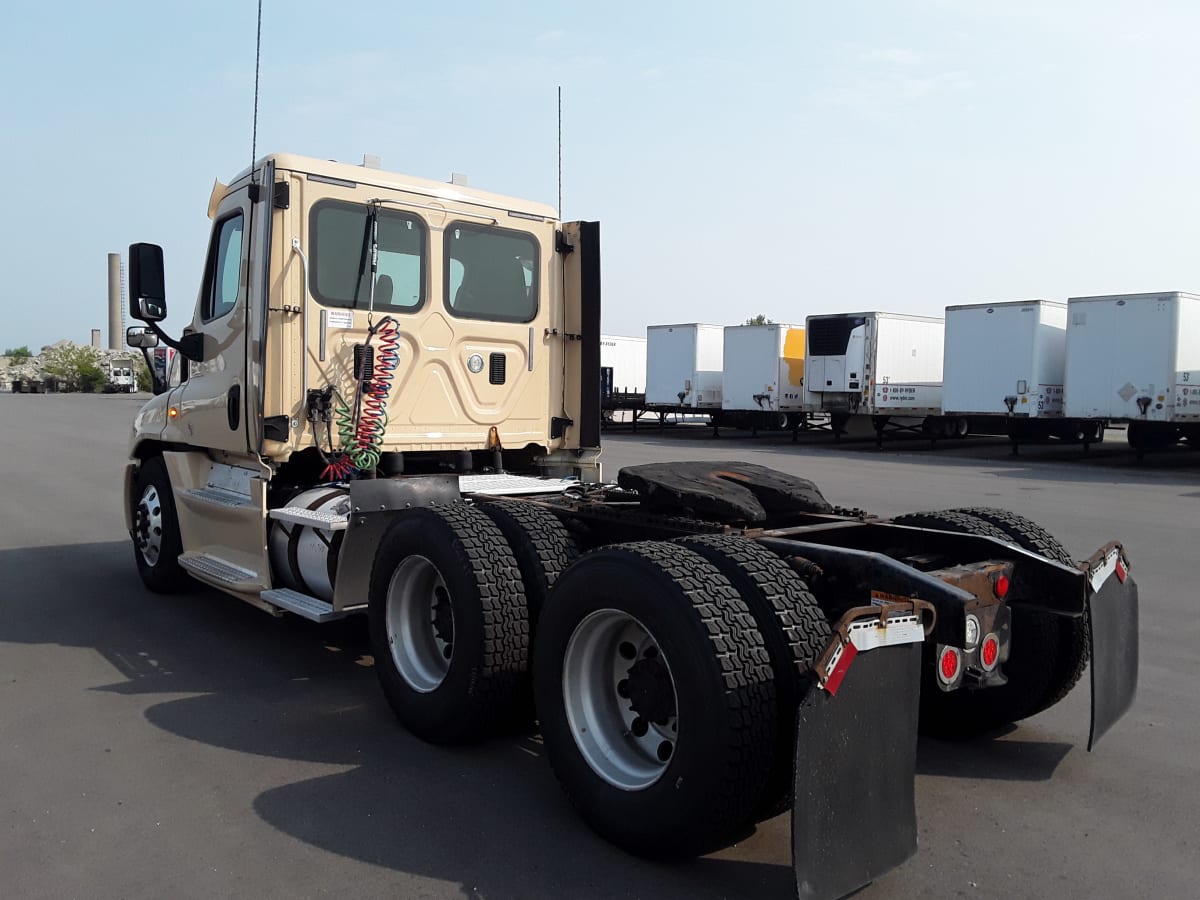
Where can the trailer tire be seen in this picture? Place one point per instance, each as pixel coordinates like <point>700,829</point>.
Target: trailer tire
<point>1031,667</point>
<point>448,624</point>
<point>1074,635</point>
<point>156,541</point>
<point>794,630</point>
<point>699,670</point>
<point>541,544</point>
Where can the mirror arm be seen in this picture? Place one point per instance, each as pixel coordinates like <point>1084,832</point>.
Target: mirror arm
<point>190,345</point>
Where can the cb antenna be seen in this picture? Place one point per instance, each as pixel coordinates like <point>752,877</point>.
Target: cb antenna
<point>559,150</point>
<point>254,128</point>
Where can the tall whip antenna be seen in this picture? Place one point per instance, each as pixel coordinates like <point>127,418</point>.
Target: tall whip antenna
<point>254,130</point>
<point>560,151</point>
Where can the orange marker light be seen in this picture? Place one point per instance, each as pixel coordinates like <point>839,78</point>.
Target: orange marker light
<point>172,412</point>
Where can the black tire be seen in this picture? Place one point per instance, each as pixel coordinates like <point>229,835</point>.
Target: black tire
<point>794,631</point>
<point>488,632</point>
<point>541,544</point>
<point>1074,635</point>
<point>1031,666</point>
<point>707,787</point>
<point>156,541</point>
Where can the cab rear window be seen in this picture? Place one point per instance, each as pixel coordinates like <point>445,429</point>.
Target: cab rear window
<point>490,273</point>
<point>341,258</point>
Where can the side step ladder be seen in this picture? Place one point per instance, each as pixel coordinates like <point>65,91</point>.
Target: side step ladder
<point>307,607</point>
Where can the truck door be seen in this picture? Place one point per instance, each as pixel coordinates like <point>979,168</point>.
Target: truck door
<point>213,404</point>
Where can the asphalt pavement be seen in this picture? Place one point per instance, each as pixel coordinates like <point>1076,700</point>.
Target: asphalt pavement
<point>193,746</point>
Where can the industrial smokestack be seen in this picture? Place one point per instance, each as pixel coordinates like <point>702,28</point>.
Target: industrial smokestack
<point>115,338</point>
<point>96,338</point>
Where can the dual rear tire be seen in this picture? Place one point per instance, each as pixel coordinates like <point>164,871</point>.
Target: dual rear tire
<point>666,675</point>
<point>660,675</point>
<point>1048,653</point>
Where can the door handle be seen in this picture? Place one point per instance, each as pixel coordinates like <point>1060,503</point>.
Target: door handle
<point>233,406</point>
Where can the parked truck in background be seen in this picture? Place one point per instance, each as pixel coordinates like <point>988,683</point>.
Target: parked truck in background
<point>120,376</point>
<point>389,405</point>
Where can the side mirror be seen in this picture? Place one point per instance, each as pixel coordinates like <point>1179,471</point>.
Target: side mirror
<point>139,337</point>
<point>147,286</point>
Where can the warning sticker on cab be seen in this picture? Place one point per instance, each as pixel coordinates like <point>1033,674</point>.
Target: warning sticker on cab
<point>339,318</point>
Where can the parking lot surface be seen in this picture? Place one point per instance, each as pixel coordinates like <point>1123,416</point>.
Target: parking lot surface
<point>194,746</point>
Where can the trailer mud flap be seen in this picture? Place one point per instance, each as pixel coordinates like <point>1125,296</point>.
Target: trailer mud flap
<point>1113,612</point>
<point>854,815</point>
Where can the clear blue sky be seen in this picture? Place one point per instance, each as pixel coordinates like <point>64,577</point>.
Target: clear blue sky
<point>785,158</point>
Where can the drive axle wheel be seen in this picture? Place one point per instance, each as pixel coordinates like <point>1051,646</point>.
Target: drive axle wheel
<point>620,699</point>
<point>156,542</point>
<point>795,632</point>
<point>541,544</point>
<point>448,625</point>
<point>1033,667</point>
<point>1074,635</point>
<point>656,700</point>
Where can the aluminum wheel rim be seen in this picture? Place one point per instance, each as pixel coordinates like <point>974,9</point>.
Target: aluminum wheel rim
<point>629,751</point>
<point>148,525</point>
<point>420,624</point>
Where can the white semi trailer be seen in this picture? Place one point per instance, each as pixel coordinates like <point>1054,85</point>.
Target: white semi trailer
<point>1136,358</point>
<point>622,378</point>
<point>884,365</point>
<point>1004,370</point>
<point>684,366</point>
<point>763,375</point>
<point>389,405</point>
<point>623,364</point>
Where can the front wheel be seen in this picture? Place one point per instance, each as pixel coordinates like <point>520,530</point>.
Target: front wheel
<point>656,699</point>
<point>156,541</point>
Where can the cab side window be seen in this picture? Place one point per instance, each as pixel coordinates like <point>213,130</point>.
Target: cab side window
<point>223,276</point>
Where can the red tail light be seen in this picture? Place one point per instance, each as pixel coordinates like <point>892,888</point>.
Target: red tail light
<point>948,664</point>
<point>1001,586</point>
<point>989,653</point>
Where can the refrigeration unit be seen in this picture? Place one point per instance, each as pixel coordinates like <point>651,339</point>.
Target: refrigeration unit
<point>879,364</point>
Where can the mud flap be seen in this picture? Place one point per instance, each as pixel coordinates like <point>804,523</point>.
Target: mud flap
<point>854,815</point>
<point>1113,610</point>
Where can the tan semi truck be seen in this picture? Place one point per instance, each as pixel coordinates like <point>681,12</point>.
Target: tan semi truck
<point>388,404</point>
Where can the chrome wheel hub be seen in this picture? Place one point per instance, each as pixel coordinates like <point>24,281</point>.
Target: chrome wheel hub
<point>620,699</point>
<point>420,624</point>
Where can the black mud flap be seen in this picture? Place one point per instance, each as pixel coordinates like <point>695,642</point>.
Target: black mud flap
<point>854,816</point>
<point>1114,632</point>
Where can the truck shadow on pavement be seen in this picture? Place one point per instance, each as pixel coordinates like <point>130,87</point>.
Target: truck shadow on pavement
<point>489,818</point>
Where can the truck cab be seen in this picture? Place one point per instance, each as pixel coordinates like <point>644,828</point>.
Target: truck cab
<point>464,309</point>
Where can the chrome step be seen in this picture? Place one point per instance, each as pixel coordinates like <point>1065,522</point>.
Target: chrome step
<point>218,497</point>
<point>298,515</point>
<point>303,605</point>
<point>213,568</point>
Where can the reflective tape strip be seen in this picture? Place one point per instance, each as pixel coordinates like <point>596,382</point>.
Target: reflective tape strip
<point>1100,574</point>
<point>872,633</point>
<point>838,666</point>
